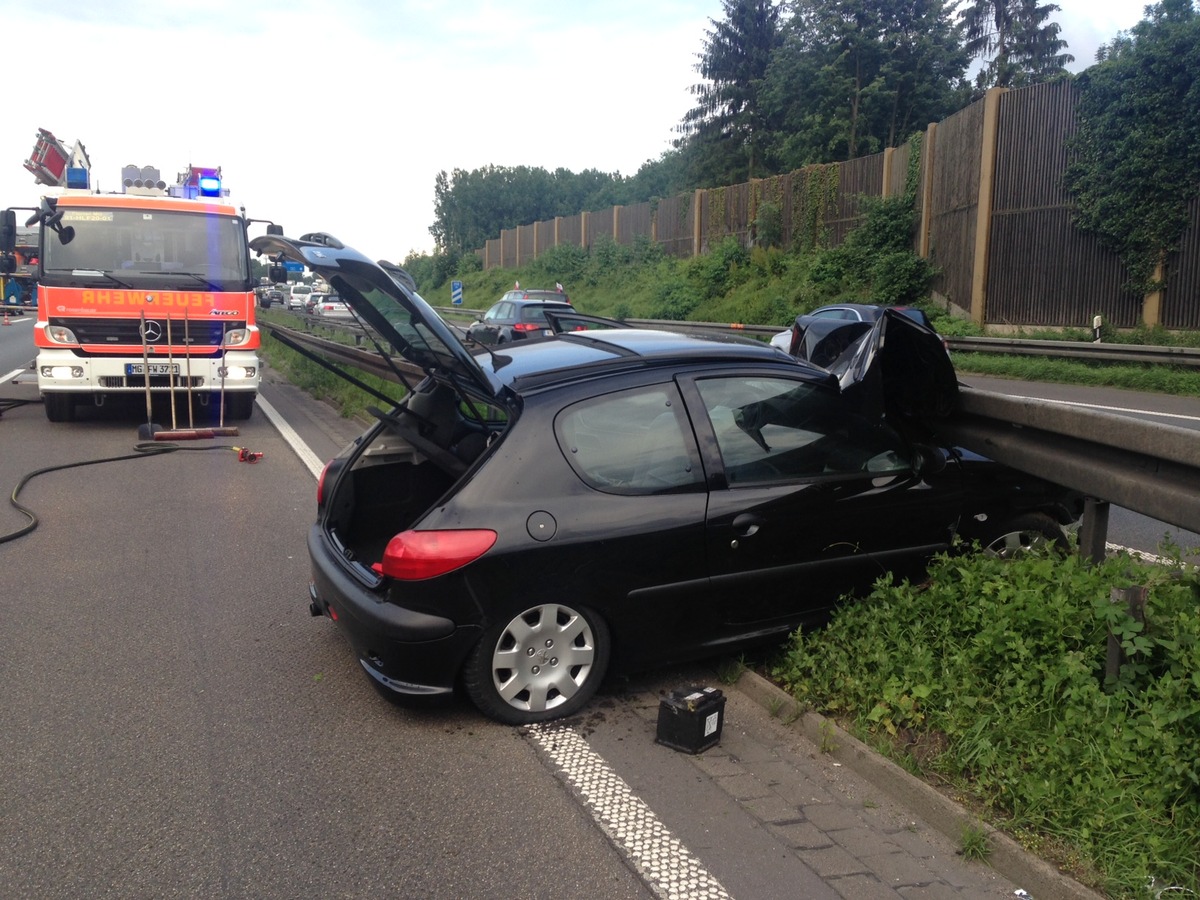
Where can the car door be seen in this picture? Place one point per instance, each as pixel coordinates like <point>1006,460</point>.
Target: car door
<point>808,499</point>
<point>638,536</point>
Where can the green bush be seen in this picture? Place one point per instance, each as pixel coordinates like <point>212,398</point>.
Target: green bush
<point>901,278</point>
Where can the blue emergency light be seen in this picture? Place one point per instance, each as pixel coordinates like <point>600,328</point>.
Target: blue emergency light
<point>210,185</point>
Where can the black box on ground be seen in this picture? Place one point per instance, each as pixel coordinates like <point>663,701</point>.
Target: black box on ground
<point>691,719</point>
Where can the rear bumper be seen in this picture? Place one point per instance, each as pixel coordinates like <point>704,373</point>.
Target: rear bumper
<point>411,653</point>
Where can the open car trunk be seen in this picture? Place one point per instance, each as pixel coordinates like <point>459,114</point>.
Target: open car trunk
<point>386,481</point>
<point>400,469</point>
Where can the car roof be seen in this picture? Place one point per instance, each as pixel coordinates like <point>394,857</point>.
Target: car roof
<point>575,355</point>
<point>532,301</point>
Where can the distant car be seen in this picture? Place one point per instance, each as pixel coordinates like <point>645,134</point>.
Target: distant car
<point>312,300</point>
<point>270,297</point>
<point>298,296</point>
<point>817,337</point>
<point>523,521</point>
<point>518,315</point>
<point>332,307</point>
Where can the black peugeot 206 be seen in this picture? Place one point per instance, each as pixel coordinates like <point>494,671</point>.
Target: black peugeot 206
<point>523,522</point>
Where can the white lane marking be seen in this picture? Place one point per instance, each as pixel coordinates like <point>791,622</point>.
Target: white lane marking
<point>664,863</point>
<point>293,439</point>
<point>11,375</point>
<point>1116,409</point>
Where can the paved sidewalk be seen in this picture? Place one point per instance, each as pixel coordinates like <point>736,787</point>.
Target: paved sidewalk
<point>866,827</point>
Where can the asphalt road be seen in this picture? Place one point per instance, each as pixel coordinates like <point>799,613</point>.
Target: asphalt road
<point>176,725</point>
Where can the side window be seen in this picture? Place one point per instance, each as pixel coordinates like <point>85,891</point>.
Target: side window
<point>773,429</point>
<point>631,442</point>
<point>495,312</point>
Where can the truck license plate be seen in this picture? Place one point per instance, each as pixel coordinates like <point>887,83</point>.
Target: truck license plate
<point>155,368</point>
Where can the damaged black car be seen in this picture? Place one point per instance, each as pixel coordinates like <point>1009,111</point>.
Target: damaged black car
<point>528,519</point>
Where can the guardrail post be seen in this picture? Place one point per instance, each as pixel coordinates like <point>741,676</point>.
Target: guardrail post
<point>1134,598</point>
<point>1093,532</point>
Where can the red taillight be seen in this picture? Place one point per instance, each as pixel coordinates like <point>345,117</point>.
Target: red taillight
<point>415,555</point>
<point>527,326</point>
<point>321,484</point>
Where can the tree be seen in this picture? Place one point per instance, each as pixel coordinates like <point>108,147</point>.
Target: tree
<point>728,124</point>
<point>1136,163</point>
<point>855,76</point>
<point>472,207</point>
<point>1015,37</point>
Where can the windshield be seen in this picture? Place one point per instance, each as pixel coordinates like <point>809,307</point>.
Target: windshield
<point>149,248</point>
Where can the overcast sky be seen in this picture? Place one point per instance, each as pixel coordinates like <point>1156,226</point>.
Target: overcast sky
<point>338,117</point>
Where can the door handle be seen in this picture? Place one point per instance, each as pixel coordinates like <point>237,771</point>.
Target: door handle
<point>746,525</point>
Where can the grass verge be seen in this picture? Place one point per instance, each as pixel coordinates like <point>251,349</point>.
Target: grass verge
<point>1005,701</point>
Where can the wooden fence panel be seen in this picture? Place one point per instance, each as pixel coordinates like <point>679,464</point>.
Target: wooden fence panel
<point>525,245</point>
<point>725,212</point>
<point>898,171</point>
<point>1181,299</point>
<point>636,220</point>
<point>508,244</point>
<point>856,178</point>
<point>1041,269</point>
<point>599,226</point>
<point>674,221</point>
<point>545,237</point>
<point>570,230</point>
<point>955,190</point>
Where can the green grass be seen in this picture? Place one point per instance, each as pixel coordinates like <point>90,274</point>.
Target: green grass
<point>316,380</point>
<point>1154,378</point>
<point>1009,690</point>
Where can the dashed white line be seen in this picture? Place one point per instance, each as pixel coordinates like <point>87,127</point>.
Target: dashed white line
<point>664,863</point>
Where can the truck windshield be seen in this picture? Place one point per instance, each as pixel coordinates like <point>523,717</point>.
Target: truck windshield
<point>144,248</point>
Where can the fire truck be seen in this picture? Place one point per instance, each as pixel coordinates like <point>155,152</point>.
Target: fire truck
<point>145,290</point>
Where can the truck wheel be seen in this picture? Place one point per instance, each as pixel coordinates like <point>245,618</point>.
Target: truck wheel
<point>238,407</point>
<point>59,407</point>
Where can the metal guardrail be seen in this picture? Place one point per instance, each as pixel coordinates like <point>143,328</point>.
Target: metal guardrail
<point>1137,353</point>
<point>1150,468</point>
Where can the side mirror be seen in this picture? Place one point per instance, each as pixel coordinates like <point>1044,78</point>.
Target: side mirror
<point>928,460</point>
<point>272,228</point>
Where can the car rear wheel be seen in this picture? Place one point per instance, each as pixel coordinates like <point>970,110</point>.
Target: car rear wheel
<point>1023,534</point>
<point>542,664</point>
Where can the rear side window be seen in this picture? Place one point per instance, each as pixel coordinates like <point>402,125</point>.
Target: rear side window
<point>501,310</point>
<point>631,442</point>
